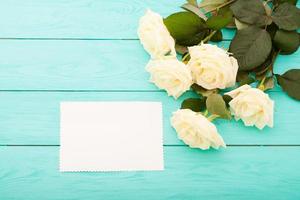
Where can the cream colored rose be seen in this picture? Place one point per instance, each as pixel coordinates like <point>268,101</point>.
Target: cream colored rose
<point>155,36</point>
<point>252,105</point>
<point>171,75</point>
<point>196,130</point>
<point>212,67</point>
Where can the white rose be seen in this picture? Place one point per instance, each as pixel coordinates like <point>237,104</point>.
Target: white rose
<point>212,67</point>
<point>196,130</point>
<point>252,105</point>
<point>155,36</point>
<point>171,75</point>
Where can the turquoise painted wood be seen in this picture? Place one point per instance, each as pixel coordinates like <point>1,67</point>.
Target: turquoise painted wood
<point>33,118</point>
<point>92,19</point>
<point>84,65</point>
<point>235,173</point>
<point>88,50</point>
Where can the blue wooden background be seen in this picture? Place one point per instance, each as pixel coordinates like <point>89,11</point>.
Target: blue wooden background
<point>58,50</point>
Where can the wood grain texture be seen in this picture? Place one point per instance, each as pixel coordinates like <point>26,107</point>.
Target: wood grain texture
<point>91,46</point>
<point>92,19</point>
<point>85,65</point>
<point>235,173</point>
<point>33,117</point>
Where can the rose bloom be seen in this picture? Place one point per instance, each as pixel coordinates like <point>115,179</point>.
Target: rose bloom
<point>155,36</point>
<point>252,105</point>
<point>212,67</point>
<point>171,75</point>
<point>196,130</point>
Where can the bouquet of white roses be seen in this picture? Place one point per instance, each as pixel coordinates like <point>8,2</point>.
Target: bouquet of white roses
<point>265,29</point>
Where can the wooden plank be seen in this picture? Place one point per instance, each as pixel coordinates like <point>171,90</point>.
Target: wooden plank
<point>91,19</point>
<point>84,65</point>
<point>36,115</point>
<point>236,173</point>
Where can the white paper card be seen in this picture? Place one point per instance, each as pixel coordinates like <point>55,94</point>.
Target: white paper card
<point>111,136</point>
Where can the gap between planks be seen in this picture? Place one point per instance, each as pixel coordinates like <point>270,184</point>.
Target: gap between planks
<point>165,145</point>
<point>75,39</point>
<point>83,91</point>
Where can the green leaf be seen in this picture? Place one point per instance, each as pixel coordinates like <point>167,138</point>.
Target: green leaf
<point>216,105</point>
<point>217,37</point>
<point>287,17</point>
<point>293,2</point>
<point>244,78</point>
<point>269,83</point>
<point>227,99</point>
<point>194,9</point>
<point>251,47</point>
<point>241,75</point>
<point>265,66</point>
<point>240,25</point>
<point>210,5</point>
<point>287,41</point>
<point>186,28</point>
<point>250,12</point>
<point>202,91</point>
<point>290,82</point>
<point>219,21</point>
<point>194,104</point>
<point>272,29</point>
<point>193,2</point>
<point>248,80</point>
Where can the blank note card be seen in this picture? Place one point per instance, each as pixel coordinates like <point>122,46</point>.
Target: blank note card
<point>111,136</point>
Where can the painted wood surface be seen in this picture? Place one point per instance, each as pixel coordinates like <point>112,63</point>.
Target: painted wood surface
<point>236,173</point>
<point>33,118</point>
<point>88,50</point>
<point>85,65</point>
<point>80,19</point>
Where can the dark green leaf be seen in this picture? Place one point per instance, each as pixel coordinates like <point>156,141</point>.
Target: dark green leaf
<point>231,25</point>
<point>272,28</point>
<point>244,78</point>
<point>264,73</point>
<point>251,47</point>
<point>259,77</point>
<point>287,41</point>
<point>187,28</point>
<point>248,80</point>
<point>293,2</point>
<point>217,37</point>
<point>265,66</point>
<point>240,25</point>
<point>290,82</point>
<point>194,9</point>
<point>241,75</point>
<point>216,105</point>
<point>202,91</point>
<point>193,2</point>
<point>287,17</point>
<point>250,12</point>
<point>210,5</point>
<point>194,104</point>
<point>227,99</point>
<point>219,21</point>
<point>269,83</point>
